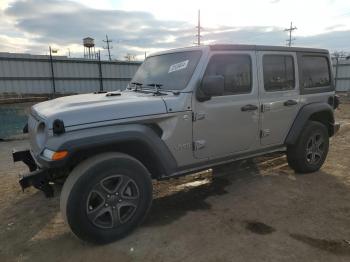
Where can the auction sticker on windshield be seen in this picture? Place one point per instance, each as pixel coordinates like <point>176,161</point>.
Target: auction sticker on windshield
<point>178,66</point>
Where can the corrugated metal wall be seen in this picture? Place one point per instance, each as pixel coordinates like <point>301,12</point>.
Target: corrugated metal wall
<point>342,77</point>
<point>22,74</point>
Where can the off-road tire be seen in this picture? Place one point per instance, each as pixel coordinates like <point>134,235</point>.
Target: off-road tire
<point>82,189</point>
<point>300,156</point>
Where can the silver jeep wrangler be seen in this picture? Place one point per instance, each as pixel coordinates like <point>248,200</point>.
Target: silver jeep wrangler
<point>185,110</point>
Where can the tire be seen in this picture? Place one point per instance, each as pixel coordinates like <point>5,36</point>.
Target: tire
<point>310,150</point>
<point>106,197</point>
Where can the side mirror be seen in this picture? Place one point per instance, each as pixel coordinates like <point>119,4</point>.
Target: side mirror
<point>211,86</point>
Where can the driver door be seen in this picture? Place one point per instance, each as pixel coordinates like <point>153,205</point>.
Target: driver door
<point>228,124</point>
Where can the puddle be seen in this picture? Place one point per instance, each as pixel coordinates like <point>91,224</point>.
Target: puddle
<point>169,208</point>
<point>259,228</point>
<point>338,247</point>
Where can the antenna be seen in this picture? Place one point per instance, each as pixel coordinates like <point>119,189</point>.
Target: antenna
<point>198,35</point>
<point>290,30</point>
<point>108,47</point>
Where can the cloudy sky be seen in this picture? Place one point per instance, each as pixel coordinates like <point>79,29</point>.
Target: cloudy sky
<point>136,26</point>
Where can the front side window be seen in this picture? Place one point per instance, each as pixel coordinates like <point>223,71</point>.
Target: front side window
<point>172,71</point>
<point>278,72</point>
<point>315,71</point>
<point>236,70</point>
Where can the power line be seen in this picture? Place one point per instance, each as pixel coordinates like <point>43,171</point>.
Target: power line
<point>290,30</point>
<point>108,47</point>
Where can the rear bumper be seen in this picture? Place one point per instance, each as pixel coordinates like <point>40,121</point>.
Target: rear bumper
<point>36,177</point>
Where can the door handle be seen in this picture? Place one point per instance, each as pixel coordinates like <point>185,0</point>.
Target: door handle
<point>290,103</point>
<point>249,108</point>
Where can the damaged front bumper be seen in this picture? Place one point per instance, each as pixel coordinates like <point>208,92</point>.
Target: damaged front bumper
<point>37,177</point>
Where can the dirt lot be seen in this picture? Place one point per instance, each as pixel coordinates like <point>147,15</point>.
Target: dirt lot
<point>258,211</point>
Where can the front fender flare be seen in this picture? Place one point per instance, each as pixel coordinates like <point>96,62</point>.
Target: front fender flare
<point>89,139</point>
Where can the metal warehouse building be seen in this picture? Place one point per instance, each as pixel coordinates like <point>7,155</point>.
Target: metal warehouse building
<point>342,75</point>
<point>24,74</point>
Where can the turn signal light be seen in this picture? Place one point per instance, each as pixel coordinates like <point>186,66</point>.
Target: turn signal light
<point>54,155</point>
<point>59,155</point>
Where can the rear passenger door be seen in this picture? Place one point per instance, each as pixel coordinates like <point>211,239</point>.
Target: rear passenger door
<point>278,94</point>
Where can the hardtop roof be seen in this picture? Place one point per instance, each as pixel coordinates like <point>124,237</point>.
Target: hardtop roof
<point>225,47</point>
<point>228,47</point>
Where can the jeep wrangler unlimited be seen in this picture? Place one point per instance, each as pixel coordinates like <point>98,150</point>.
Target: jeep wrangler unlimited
<point>185,110</point>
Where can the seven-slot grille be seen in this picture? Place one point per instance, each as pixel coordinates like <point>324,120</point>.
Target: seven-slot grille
<point>33,124</point>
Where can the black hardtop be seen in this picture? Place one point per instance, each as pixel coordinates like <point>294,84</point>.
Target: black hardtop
<point>226,47</point>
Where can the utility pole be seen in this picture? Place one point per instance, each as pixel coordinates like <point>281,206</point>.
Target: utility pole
<point>100,70</point>
<point>108,47</point>
<point>290,30</point>
<point>52,72</point>
<point>199,29</point>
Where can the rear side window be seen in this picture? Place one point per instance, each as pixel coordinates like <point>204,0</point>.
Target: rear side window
<point>236,70</point>
<point>278,72</point>
<point>315,71</point>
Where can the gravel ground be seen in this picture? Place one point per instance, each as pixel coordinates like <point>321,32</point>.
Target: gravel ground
<point>255,210</point>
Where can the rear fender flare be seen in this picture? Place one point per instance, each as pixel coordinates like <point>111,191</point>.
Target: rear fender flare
<point>304,114</point>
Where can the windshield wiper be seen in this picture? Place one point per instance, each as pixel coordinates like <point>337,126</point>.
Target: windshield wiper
<point>137,85</point>
<point>157,88</point>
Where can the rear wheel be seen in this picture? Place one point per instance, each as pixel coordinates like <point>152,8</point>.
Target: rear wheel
<point>106,197</point>
<point>311,149</point>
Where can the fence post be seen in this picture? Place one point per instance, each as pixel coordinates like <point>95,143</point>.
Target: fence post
<point>100,70</point>
<point>52,75</point>
<point>336,73</point>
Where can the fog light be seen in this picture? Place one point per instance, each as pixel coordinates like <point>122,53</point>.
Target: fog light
<point>54,155</point>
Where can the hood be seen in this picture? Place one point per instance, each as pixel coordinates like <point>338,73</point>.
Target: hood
<point>91,108</point>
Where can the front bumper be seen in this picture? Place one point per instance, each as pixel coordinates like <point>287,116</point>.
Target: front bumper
<point>37,177</point>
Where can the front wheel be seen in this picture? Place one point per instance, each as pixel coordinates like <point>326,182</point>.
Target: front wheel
<point>105,197</point>
<point>311,149</point>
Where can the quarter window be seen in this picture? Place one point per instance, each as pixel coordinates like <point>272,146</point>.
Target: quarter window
<point>278,72</point>
<point>315,71</point>
<point>236,70</point>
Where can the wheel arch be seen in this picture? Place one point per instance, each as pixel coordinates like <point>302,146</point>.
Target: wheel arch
<point>319,112</point>
<point>138,141</point>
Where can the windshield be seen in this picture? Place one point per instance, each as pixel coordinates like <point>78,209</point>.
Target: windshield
<point>172,71</point>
